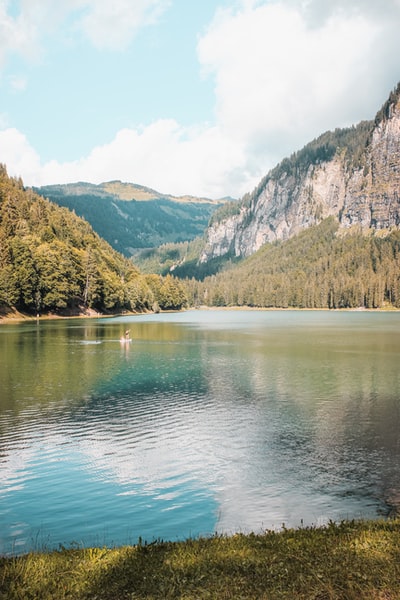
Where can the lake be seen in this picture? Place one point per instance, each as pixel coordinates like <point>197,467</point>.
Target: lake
<point>208,421</point>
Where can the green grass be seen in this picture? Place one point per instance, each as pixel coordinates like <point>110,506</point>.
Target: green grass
<point>347,561</point>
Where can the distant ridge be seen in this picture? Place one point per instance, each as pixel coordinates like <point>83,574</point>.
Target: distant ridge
<point>51,261</point>
<point>132,217</point>
<point>119,190</point>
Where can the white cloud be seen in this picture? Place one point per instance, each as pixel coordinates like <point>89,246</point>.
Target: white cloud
<point>163,155</point>
<point>17,35</point>
<point>109,25</point>
<point>18,155</point>
<point>112,25</point>
<point>286,71</point>
<point>316,12</point>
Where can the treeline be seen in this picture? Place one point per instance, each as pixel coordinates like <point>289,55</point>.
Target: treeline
<point>351,141</point>
<point>51,260</point>
<point>322,267</point>
<point>231,208</point>
<point>384,112</point>
<point>130,225</point>
<point>180,259</point>
<point>170,257</point>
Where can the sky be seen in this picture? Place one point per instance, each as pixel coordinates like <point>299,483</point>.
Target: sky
<point>185,96</point>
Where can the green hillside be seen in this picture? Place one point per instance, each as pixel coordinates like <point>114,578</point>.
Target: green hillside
<point>322,267</point>
<point>130,217</point>
<point>52,260</point>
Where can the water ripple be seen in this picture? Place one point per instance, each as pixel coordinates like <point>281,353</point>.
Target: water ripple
<point>223,428</point>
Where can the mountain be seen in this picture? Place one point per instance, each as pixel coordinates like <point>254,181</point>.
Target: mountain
<point>351,174</point>
<point>52,261</point>
<point>132,217</point>
<point>323,266</point>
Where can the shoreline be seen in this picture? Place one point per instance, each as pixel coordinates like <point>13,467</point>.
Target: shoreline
<point>15,316</point>
<point>12,315</point>
<point>296,308</point>
<point>356,560</point>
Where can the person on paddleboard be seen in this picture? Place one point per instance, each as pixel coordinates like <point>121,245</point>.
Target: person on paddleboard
<point>126,337</point>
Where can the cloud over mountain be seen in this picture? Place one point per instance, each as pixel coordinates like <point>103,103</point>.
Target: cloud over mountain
<point>282,72</point>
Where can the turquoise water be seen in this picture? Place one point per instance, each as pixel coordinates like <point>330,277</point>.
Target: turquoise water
<point>207,421</point>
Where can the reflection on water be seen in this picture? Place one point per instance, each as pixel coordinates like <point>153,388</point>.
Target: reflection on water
<point>208,421</point>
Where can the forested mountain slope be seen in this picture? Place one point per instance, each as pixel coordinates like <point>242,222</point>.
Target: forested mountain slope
<point>321,267</point>
<point>352,174</point>
<point>52,260</point>
<point>132,217</point>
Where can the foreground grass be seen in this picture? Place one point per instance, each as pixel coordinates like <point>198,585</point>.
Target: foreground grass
<point>347,561</point>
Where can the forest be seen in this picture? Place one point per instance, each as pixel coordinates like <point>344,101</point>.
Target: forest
<point>52,261</point>
<point>322,267</point>
<point>131,225</point>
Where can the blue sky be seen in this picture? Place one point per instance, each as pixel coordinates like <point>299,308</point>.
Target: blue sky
<point>182,96</point>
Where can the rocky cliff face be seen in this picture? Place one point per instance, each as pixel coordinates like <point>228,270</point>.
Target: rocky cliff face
<point>360,185</point>
<point>373,194</point>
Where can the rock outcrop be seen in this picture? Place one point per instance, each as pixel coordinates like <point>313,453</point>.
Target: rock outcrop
<point>352,174</point>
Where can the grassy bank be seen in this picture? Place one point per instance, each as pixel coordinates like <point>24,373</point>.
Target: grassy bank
<point>347,561</point>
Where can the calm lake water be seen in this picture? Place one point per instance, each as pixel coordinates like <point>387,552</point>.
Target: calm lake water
<point>209,421</point>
